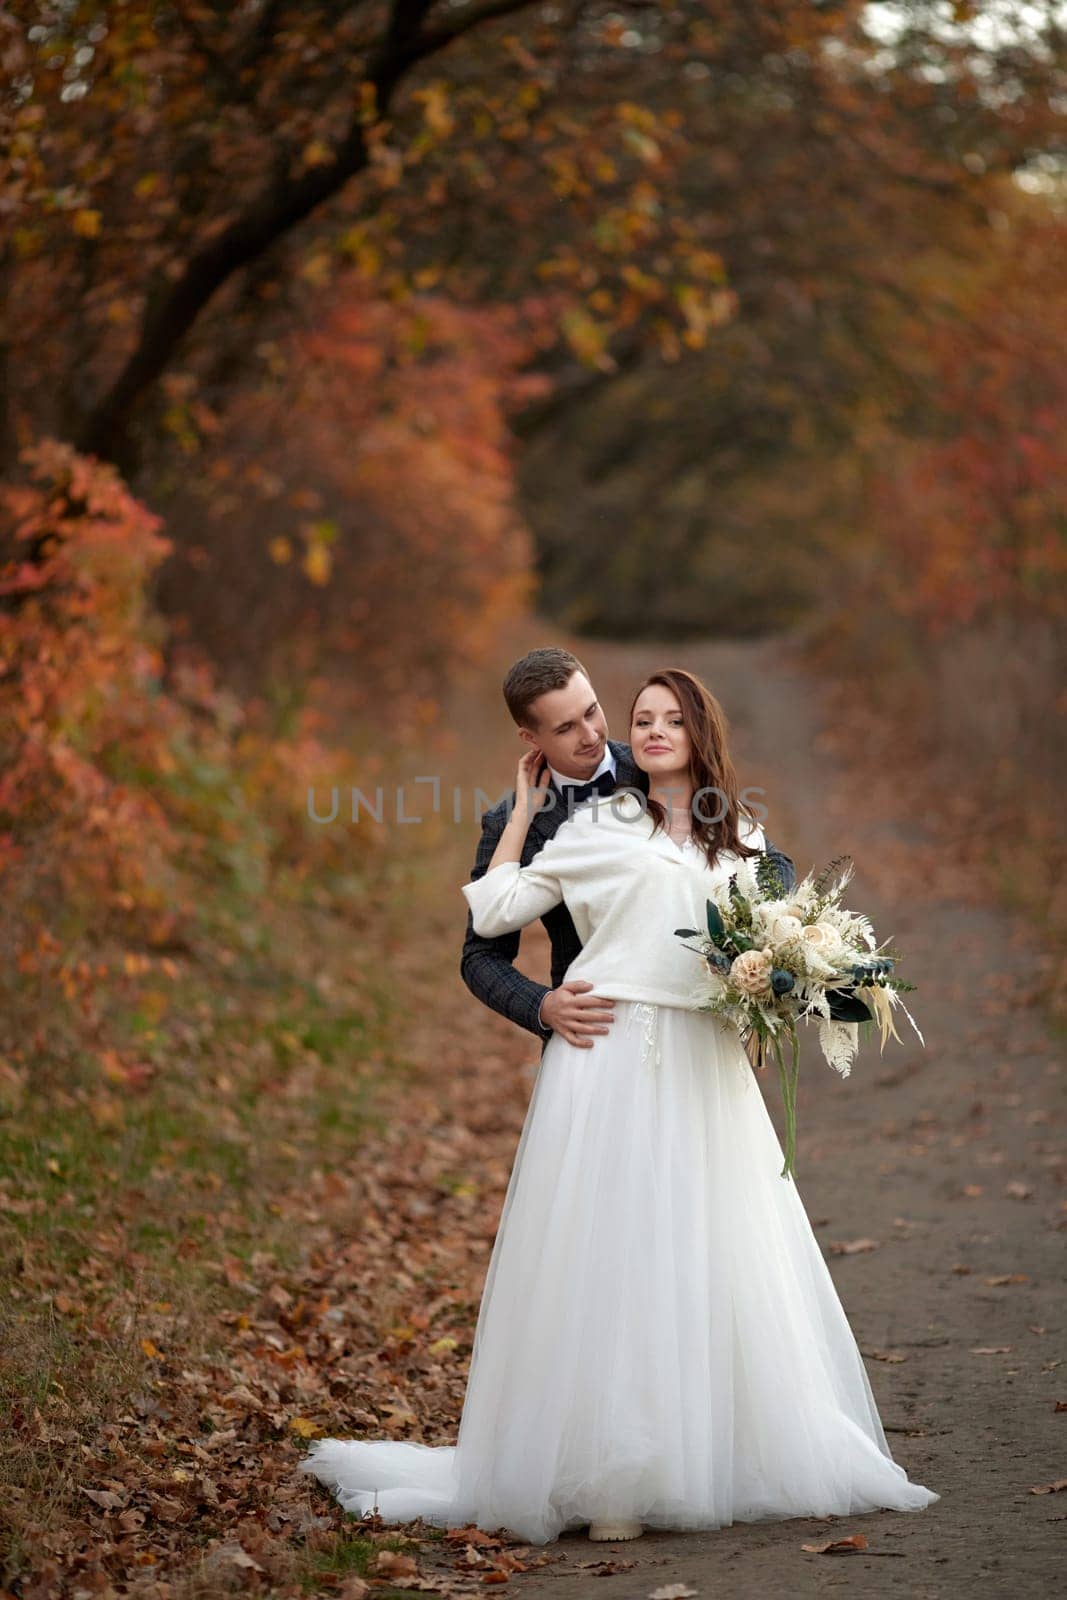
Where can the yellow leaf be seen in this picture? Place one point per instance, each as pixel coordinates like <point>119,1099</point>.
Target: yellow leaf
<point>368,102</point>
<point>303,1427</point>
<point>87,224</point>
<point>318,154</point>
<point>587,338</point>
<point>150,1350</point>
<point>397,1416</point>
<point>439,118</point>
<point>317,564</point>
<point>325,531</point>
<point>317,269</point>
<point>280,550</point>
<point>636,116</point>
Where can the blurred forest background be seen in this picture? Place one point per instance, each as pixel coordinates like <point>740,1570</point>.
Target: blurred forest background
<point>341,345</point>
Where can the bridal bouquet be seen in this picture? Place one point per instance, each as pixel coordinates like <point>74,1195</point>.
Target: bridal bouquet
<point>773,956</point>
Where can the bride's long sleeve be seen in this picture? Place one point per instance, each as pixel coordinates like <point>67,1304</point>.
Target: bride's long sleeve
<point>508,896</point>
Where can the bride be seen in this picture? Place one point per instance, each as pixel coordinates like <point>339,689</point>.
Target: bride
<point>660,1343</point>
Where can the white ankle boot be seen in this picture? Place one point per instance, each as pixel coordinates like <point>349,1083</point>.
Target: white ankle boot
<point>613,1531</point>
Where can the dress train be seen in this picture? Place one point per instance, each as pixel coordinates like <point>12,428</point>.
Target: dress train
<point>659,1336</point>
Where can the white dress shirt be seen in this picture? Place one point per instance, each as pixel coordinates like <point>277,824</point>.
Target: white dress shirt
<point>607,765</point>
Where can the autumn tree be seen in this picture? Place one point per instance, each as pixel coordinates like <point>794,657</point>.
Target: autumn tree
<point>856,192</point>
<point>156,153</point>
<point>169,164</point>
<point>744,192</point>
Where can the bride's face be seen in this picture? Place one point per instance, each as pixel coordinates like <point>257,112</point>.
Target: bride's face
<point>658,737</point>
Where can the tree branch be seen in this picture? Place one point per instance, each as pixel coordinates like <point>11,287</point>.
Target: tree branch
<point>406,18</point>
<point>444,34</point>
<point>174,305</point>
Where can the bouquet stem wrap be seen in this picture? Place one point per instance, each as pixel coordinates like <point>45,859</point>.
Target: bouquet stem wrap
<point>756,1047</point>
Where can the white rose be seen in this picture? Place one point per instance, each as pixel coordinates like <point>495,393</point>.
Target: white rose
<point>783,928</point>
<point>769,909</point>
<point>824,939</point>
<point>751,972</point>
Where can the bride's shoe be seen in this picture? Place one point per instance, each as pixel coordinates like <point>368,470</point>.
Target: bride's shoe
<point>615,1530</point>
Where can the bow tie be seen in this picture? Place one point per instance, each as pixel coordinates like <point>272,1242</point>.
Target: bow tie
<point>605,785</point>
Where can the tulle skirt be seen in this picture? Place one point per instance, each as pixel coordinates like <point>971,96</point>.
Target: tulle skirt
<point>659,1336</point>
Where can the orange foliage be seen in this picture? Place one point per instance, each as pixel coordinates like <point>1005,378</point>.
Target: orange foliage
<point>121,776</point>
<point>153,154</point>
<point>361,504</point>
<point>423,450</point>
<point>372,492</point>
<point>973,519</point>
<point>80,690</point>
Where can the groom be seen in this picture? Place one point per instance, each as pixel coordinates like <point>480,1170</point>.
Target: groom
<point>557,712</point>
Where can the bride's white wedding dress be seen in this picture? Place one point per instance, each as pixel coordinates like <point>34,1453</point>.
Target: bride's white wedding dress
<point>659,1336</point>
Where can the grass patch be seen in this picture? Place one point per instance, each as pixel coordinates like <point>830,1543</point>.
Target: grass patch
<point>351,1555</point>
<point>159,1136</point>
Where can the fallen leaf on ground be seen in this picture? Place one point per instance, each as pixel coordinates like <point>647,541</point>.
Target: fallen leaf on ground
<point>838,1547</point>
<point>239,1556</point>
<point>394,1565</point>
<point>304,1427</point>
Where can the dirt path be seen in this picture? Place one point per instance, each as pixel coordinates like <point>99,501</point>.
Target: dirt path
<point>949,1160</point>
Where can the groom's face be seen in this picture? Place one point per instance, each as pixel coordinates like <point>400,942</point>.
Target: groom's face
<point>569,728</point>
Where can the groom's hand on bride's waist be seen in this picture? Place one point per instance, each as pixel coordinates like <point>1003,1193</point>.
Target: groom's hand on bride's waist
<point>575,1012</point>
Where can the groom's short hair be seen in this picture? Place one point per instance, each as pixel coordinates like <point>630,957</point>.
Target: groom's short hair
<point>536,674</point>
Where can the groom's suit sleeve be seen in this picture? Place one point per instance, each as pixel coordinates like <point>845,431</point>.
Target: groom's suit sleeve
<point>487,966</point>
<point>751,833</point>
<point>782,862</point>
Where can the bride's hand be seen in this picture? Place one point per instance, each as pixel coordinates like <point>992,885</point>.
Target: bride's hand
<point>531,781</point>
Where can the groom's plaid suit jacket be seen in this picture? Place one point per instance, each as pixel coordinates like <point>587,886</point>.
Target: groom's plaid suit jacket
<point>487,965</point>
